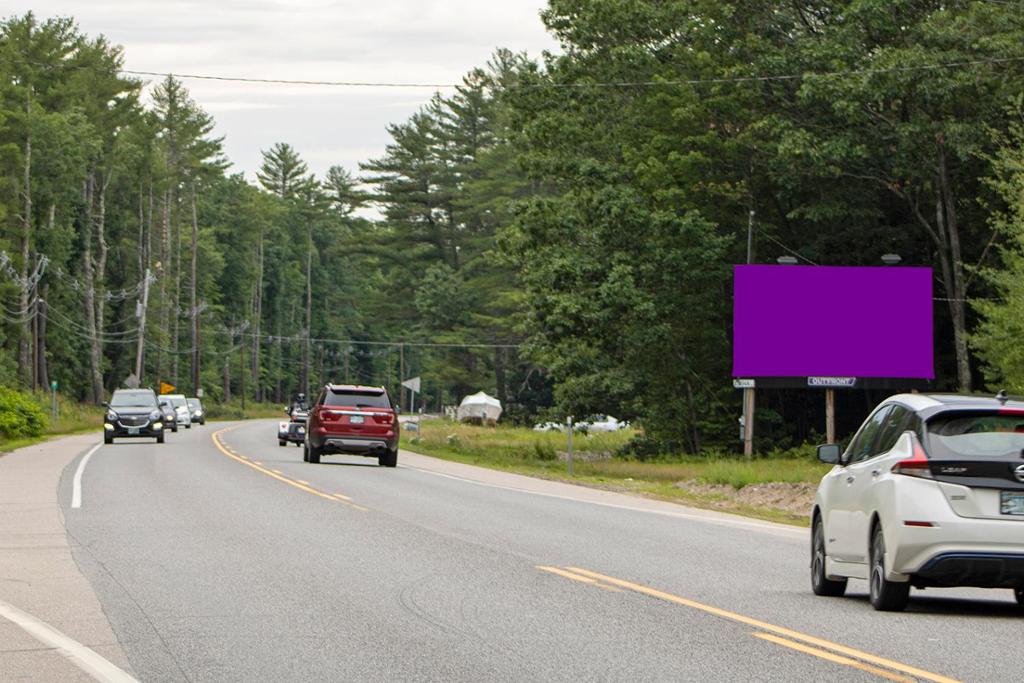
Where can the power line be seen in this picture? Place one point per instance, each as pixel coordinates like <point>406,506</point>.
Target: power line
<point>601,84</point>
<point>363,342</point>
<point>756,78</point>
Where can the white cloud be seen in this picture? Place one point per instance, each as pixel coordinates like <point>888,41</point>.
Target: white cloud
<point>432,41</point>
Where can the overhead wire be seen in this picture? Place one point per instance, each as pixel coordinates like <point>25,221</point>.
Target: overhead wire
<point>650,83</point>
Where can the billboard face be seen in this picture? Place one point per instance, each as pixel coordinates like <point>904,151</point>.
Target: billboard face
<point>823,321</point>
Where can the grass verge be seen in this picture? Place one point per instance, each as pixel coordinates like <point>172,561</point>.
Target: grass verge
<point>78,418</point>
<point>72,418</point>
<point>772,489</point>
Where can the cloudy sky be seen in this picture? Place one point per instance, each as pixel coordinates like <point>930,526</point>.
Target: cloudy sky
<point>421,41</point>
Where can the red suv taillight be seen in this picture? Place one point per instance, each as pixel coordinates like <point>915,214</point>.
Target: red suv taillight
<point>384,418</point>
<point>916,466</point>
<point>329,416</point>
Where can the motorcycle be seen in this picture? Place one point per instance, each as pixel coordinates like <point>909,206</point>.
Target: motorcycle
<point>294,430</point>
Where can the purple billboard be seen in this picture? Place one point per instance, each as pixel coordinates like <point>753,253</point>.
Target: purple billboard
<point>824,321</point>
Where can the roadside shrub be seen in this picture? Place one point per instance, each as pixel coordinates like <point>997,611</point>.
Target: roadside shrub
<point>544,451</point>
<point>20,415</point>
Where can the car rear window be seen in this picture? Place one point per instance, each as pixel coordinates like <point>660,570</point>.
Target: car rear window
<point>976,435</point>
<point>358,399</point>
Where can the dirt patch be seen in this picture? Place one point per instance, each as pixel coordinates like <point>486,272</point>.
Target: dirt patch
<point>585,456</point>
<point>795,499</point>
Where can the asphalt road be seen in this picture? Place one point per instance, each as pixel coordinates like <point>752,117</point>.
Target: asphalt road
<point>239,562</point>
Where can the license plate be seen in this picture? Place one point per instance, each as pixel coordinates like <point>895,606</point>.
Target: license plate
<point>1011,503</point>
<point>133,431</point>
<point>356,419</point>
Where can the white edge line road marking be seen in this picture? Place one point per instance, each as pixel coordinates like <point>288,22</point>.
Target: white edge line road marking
<point>765,527</point>
<point>76,487</point>
<point>85,659</point>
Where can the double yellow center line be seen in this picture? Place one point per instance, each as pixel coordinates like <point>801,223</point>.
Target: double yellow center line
<point>277,474</point>
<point>779,635</point>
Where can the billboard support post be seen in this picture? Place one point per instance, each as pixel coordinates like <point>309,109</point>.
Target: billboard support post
<point>748,423</point>
<point>748,393</point>
<point>830,415</point>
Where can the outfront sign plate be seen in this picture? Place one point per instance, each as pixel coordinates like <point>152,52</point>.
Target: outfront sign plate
<point>830,382</point>
<point>1011,502</point>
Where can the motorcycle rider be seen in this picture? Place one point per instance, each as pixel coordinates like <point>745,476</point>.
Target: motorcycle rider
<point>299,405</point>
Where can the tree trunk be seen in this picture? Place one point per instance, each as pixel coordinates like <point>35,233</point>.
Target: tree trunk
<point>44,371</point>
<point>499,376</point>
<point>258,316</point>
<point>304,381</point>
<point>694,432</point>
<point>226,382</point>
<point>141,239</point>
<point>162,272</point>
<point>175,323</point>
<point>947,215</point>
<point>193,286</point>
<point>24,352</point>
<point>89,299</point>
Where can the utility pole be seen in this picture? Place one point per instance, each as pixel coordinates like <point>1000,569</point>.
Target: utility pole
<point>241,367</point>
<point>748,394</point>
<point>401,377</point>
<point>142,327</point>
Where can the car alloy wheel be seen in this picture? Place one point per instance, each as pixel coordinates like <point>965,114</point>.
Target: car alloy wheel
<point>820,583</point>
<point>886,596</point>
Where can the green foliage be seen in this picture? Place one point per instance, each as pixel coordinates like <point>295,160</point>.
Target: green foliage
<point>563,246</point>
<point>20,415</point>
<point>997,338</point>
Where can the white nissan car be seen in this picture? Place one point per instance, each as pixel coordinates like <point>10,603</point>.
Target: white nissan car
<point>930,492</point>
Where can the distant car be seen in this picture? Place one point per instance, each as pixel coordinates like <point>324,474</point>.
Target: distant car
<point>352,419</point>
<point>195,409</point>
<point>181,412</point>
<point>930,492</point>
<point>133,413</point>
<point>170,415</point>
<point>294,430</point>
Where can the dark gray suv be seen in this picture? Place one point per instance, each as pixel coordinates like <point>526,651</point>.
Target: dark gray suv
<point>133,413</point>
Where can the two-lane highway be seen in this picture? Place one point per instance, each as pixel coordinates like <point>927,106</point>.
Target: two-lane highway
<point>222,556</point>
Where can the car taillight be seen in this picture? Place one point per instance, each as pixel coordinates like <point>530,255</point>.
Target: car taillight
<point>330,416</point>
<point>383,418</point>
<point>916,466</point>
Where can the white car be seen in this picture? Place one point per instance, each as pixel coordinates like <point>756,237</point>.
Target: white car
<point>181,411</point>
<point>601,423</point>
<point>930,492</point>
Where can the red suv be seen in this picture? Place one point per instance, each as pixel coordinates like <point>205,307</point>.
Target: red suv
<point>353,419</point>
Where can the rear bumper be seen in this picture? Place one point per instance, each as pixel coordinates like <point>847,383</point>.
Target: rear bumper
<point>982,570</point>
<point>357,445</point>
<point>986,553</point>
<point>295,434</point>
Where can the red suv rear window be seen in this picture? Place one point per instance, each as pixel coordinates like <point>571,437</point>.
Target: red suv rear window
<point>357,399</point>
